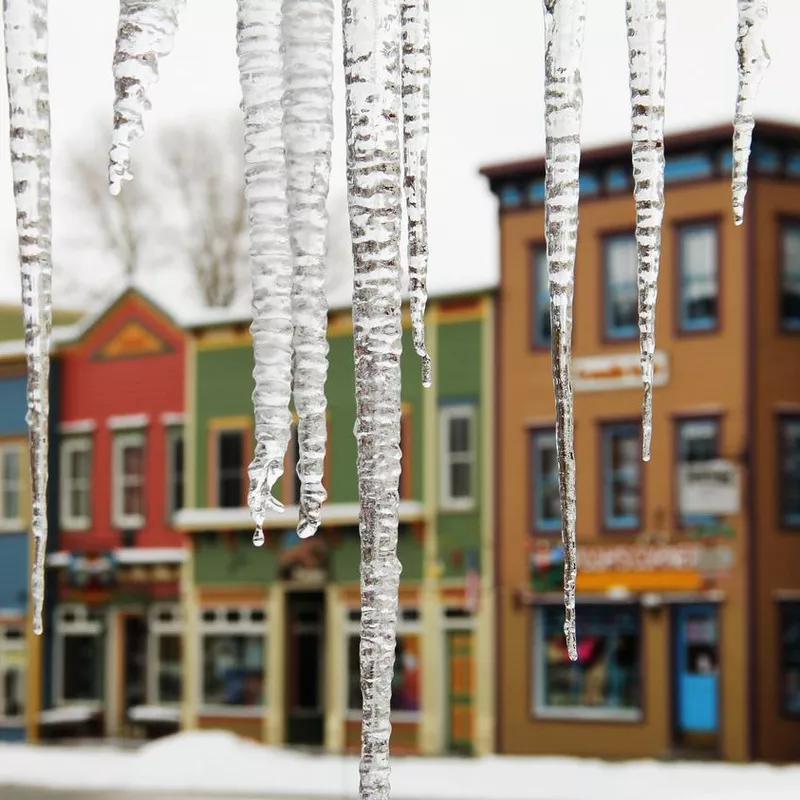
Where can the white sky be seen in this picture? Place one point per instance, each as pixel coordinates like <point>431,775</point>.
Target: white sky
<point>487,101</point>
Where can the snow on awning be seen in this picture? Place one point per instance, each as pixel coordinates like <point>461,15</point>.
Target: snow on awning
<point>68,714</point>
<point>127,556</point>
<point>164,714</point>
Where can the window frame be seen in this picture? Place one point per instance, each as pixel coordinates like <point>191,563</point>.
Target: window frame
<point>536,485</point>
<point>218,431</point>
<point>82,625</point>
<point>610,332</point>
<point>69,445</point>
<point>785,224</point>
<point>172,434</point>
<point>610,523</point>
<point>406,484</point>
<point>537,342</point>
<point>13,524</point>
<point>156,629</point>
<point>121,440</point>
<point>785,521</point>
<point>784,608</point>
<point>683,522</point>
<point>447,413</point>
<point>692,328</point>
<point>17,646</point>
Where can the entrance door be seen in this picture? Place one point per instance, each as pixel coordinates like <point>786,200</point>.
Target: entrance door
<point>460,682</point>
<point>305,676</point>
<point>134,664</point>
<point>696,655</point>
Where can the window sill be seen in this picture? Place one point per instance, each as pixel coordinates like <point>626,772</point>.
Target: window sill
<point>588,715</point>
<point>396,716</point>
<point>75,525</point>
<point>12,722</point>
<point>457,507</point>
<point>250,712</point>
<point>128,523</point>
<point>712,326</point>
<point>13,526</point>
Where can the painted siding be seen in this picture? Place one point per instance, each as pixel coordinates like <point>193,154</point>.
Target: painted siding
<point>14,570</point>
<point>13,404</point>
<point>232,560</point>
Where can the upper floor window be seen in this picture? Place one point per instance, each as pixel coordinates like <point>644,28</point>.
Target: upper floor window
<point>230,469</point>
<point>12,672</point>
<point>76,482</point>
<point>175,469</point>
<point>622,476</point>
<point>698,441</point>
<point>457,460</point>
<point>129,479</point>
<point>790,658</point>
<point>621,306</point>
<point>540,297</point>
<point>698,271</point>
<point>10,485</point>
<point>292,485</point>
<point>790,471</point>
<point>790,277</point>
<point>546,500</point>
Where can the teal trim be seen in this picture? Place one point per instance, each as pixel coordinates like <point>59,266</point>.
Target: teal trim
<point>540,298</point>
<point>622,475</point>
<point>620,286</point>
<point>543,482</point>
<point>688,167</point>
<point>698,264</point>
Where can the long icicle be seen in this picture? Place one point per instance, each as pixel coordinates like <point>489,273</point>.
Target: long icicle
<point>25,23</point>
<point>308,133</point>
<point>145,33</point>
<point>753,60</point>
<point>564,24</point>
<point>416,71</point>
<point>261,75</point>
<point>371,31</point>
<point>647,55</point>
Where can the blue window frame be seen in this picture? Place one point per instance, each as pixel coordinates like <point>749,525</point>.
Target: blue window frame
<point>698,273</point>
<point>790,471</point>
<point>510,196</point>
<point>544,478</point>
<point>618,179</point>
<point>622,476</point>
<point>697,441</point>
<point>790,658</point>
<point>540,298</point>
<point>688,167</point>
<point>621,299</point>
<point>790,277</point>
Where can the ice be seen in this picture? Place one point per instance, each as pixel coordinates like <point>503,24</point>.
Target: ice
<point>647,29</point>
<point>416,71</point>
<point>308,133</point>
<point>261,74</point>
<point>372,39</point>
<point>25,24</point>
<point>564,24</point>
<point>753,60</point>
<point>145,33</point>
<point>258,537</point>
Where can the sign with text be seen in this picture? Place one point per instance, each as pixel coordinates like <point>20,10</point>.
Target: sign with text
<point>709,487</point>
<point>609,373</point>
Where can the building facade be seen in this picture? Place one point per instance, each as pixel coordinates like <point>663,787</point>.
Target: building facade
<point>271,634</point>
<point>688,588</point>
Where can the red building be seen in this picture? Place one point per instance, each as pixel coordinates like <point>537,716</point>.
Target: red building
<point>114,651</point>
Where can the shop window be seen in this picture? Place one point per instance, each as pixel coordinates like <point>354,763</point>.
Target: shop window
<point>697,442</point>
<point>80,655</point>
<point>230,469</point>
<point>698,267</point>
<point>546,500</point>
<point>10,485</point>
<point>129,479</point>
<point>291,477</point>
<point>790,277</point>
<point>621,296</point>
<point>12,673</point>
<point>165,663</point>
<point>621,476</point>
<point>540,297</point>
<point>604,683</point>
<point>790,658</point>
<point>790,472</point>
<point>175,470</point>
<point>457,459</point>
<point>233,643</point>
<point>76,482</point>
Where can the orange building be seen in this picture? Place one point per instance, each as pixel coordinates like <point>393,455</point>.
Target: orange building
<point>689,565</point>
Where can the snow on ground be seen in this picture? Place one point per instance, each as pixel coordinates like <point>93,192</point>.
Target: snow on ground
<point>213,761</point>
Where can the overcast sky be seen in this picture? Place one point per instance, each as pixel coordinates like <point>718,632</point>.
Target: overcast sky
<point>487,101</point>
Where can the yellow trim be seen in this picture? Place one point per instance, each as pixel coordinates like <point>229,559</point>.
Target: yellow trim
<point>113,666</point>
<point>274,720</point>
<point>33,671</point>
<point>265,730</point>
<point>190,401</point>
<point>222,338</point>
<point>334,669</point>
<point>232,423</point>
<point>481,311</point>
<point>191,642</point>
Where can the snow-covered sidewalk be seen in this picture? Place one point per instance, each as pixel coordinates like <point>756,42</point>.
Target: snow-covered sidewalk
<point>219,762</point>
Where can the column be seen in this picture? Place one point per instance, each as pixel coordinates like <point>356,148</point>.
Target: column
<point>274,710</point>
<point>114,679</point>
<point>190,610</point>
<point>334,664</point>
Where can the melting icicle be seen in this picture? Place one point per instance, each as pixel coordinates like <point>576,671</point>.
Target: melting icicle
<point>25,23</point>
<point>308,132</point>
<point>258,537</point>
<point>261,75</point>
<point>753,62</point>
<point>416,124</point>
<point>145,33</point>
<point>373,93</point>
<point>564,24</point>
<point>647,29</point>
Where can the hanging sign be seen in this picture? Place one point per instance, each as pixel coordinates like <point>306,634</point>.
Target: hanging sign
<point>709,487</point>
<point>609,373</point>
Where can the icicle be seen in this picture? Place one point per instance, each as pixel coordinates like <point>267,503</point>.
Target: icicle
<point>564,23</point>
<point>258,537</point>
<point>145,33</point>
<point>373,93</point>
<point>416,123</point>
<point>261,75</point>
<point>647,29</point>
<point>753,62</point>
<point>25,23</point>
<point>308,132</point>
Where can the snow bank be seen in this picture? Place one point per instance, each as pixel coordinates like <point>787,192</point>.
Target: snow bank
<point>213,761</point>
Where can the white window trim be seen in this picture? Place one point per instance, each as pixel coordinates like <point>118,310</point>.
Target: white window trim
<point>447,413</point>
<point>69,521</point>
<point>17,523</point>
<point>351,628</point>
<point>171,433</point>
<point>173,419</point>
<point>77,426</point>
<point>128,422</point>
<point>155,629</point>
<point>80,626</point>
<point>121,441</point>
<point>244,626</point>
<point>18,647</point>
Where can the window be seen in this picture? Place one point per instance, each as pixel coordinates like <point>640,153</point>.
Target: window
<point>604,683</point>
<point>175,467</point>
<point>406,696</point>
<point>230,469</point>
<point>292,486</point>
<point>621,476</point>
<point>233,663</point>
<point>10,485</point>
<point>790,658</point>
<point>129,472</point>
<point>790,471</point>
<point>621,312</point>
<point>698,275</point>
<point>12,673</point>
<point>457,432</point>
<point>76,483</point>
<point>546,500</point>
<point>80,649</point>
<point>698,441</point>
<point>166,648</point>
<point>540,298</point>
<point>405,486</point>
<point>790,277</point>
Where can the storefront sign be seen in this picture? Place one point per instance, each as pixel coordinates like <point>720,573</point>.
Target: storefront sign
<point>608,373</point>
<point>709,487</point>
